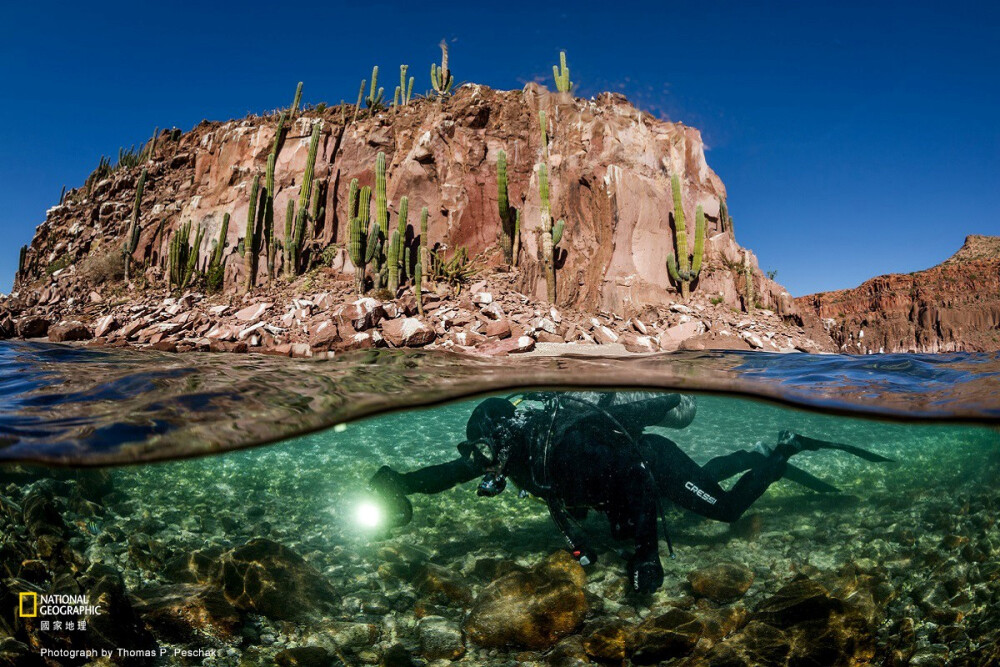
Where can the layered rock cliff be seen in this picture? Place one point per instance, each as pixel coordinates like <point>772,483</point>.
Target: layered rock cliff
<point>954,306</point>
<point>610,167</point>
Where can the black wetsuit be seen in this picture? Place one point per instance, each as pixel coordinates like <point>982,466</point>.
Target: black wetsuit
<point>589,450</point>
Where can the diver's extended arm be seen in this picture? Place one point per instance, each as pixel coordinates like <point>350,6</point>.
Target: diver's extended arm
<point>393,487</point>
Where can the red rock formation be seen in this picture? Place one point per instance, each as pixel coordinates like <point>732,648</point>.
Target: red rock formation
<point>610,168</point>
<point>954,306</point>
<point>610,179</point>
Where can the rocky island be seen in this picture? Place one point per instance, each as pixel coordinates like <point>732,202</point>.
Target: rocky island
<point>481,221</point>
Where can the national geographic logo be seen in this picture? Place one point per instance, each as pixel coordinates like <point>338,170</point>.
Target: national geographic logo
<point>27,605</point>
<point>33,605</point>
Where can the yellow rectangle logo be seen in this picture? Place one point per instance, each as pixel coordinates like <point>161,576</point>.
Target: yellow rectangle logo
<point>32,598</point>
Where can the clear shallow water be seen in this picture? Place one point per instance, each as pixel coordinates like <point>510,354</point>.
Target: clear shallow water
<point>901,567</point>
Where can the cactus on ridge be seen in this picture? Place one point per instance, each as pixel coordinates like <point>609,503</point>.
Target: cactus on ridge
<point>441,78</point>
<point>561,74</point>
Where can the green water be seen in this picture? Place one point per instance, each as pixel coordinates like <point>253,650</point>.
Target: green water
<point>923,528</point>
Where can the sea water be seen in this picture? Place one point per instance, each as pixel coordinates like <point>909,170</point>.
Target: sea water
<point>247,556</point>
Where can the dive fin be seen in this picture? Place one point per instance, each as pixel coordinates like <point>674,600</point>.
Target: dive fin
<point>808,480</point>
<point>807,443</point>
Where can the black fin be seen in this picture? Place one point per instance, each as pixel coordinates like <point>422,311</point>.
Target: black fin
<point>808,480</point>
<point>813,443</point>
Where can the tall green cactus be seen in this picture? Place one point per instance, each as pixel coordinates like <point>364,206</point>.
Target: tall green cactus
<point>286,239</point>
<point>22,260</point>
<point>361,96</point>
<point>268,201</point>
<point>132,241</point>
<point>215,273</point>
<point>417,288</point>
<point>543,125</point>
<point>750,299</point>
<point>508,226</point>
<point>298,98</point>
<point>183,258</point>
<point>441,78</point>
<point>295,237</point>
<point>393,261</point>
<point>403,91</point>
<point>551,234</point>
<point>363,241</point>
<point>250,239</point>
<point>375,100</point>
<point>381,222</point>
<point>561,74</point>
<point>404,249</point>
<point>684,268</point>
<point>423,260</point>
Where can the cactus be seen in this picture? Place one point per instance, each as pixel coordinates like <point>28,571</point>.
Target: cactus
<point>725,222</point>
<point>62,195</point>
<point>375,101</point>
<point>132,242</point>
<point>215,273</point>
<point>551,234</point>
<point>403,91</point>
<point>183,258</point>
<point>298,98</point>
<point>381,220</point>
<point>361,96</point>
<point>393,261</point>
<point>683,268</point>
<point>317,213</point>
<point>423,261</point>
<point>417,284</point>
<point>279,134</point>
<point>699,242</point>
<point>441,78</point>
<point>403,258</point>
<point>22,260</point>
<point>295,237</point>
<point>363,241</point>
<point>543,124</point>
<point>508,225</point>
<point>286,240</point>
<point>561,74</point>
<point>251,244</point>
<point>268,201</point>
<point>749,297</point>
<point>192,258</point>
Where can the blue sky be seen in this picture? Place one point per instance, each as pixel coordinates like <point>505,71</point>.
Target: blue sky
<point>854,138</point>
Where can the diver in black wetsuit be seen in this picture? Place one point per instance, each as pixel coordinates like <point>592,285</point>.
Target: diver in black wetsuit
<point>588,450</point>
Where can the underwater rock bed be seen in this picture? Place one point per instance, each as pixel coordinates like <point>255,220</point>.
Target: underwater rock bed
<point>249,559</point>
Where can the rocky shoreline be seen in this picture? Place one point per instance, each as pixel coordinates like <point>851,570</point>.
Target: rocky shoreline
<point>321,315</point>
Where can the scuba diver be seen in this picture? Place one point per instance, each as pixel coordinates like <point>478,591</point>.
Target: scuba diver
<point>579,451</point>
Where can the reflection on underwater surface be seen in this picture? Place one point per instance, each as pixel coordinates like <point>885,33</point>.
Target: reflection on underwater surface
<point>258,554</point>
<point>79,406</point>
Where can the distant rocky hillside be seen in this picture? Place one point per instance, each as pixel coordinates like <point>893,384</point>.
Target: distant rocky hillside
<point>609,169</point>
<point>954,306</point>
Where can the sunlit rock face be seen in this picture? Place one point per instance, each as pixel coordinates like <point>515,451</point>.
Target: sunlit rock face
<point>610,167</point>
<point>954,306</point>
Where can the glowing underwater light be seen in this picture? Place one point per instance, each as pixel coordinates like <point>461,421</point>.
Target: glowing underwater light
<point>368,515</point>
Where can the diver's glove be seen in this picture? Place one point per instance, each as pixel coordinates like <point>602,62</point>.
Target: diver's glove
<point>387,485</point>
<point>645,573</point>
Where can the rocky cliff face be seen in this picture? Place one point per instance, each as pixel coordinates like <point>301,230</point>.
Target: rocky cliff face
<point>611,166</point>
<point>610,169</point>
<point>954,306</point>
